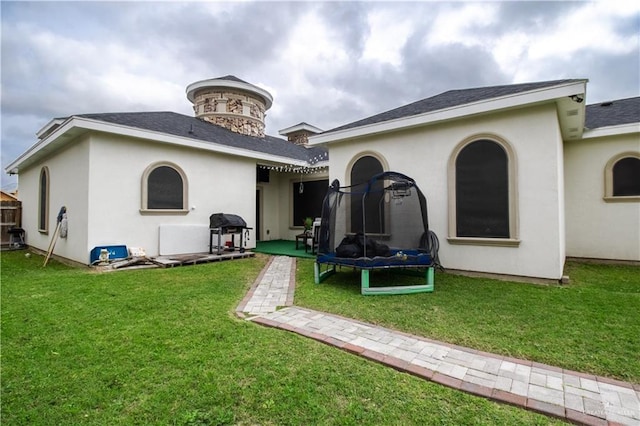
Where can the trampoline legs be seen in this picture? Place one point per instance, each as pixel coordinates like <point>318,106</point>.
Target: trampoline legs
<point>428,287</point>
<point>364,280</point>
<point>320,276</point>
<point>365,289</point>
<point>430,279</point>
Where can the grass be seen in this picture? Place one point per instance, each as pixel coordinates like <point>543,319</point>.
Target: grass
<point>591,325</point>
<point>164,347</point>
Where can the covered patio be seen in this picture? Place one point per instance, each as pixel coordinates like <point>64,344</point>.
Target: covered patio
<point>284,248</point>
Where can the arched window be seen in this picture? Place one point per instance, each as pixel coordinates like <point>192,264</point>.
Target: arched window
<point>374,219</point>
<point>164,189</point>
<point>43,201</point>
<point>622,177</point>
<point>482,193</point>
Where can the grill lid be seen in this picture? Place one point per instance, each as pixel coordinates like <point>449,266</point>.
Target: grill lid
<point>226,220</point>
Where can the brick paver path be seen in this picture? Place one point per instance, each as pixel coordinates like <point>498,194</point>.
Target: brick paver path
<point>577,397</point>
<point>273,288</point>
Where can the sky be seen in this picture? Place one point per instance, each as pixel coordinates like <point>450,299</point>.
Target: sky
<point>325,63</point>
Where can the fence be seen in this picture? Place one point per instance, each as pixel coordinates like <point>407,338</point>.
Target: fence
<point>11,215</point>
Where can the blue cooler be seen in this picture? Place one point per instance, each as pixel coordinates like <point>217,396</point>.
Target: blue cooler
<point>115,252</point>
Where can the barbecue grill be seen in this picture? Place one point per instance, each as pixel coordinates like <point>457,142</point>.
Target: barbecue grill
<point>227,224</point>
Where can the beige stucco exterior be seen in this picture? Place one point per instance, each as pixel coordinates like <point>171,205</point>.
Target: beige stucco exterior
<point>423,153</point>
<point>599,228</point>
<point>69,187</point>
<point>98,179</point>
<point>558,200</point>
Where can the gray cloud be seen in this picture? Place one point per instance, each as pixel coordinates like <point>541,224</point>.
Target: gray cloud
<point>230,42</point>
<point>349,19</point>
<point>602,70</point>
<point>530,16</point>
<point>60,58</point>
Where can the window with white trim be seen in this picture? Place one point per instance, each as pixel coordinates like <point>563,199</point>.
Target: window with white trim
<point>164,189</point>
<point>43,201</point>
<point>482,204</point>
<point>622,177</point>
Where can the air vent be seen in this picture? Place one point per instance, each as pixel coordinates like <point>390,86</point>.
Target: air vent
<point>606,104</point>
<point>572,112</point>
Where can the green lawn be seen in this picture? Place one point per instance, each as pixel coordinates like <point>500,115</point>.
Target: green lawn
<point>164,347</point>
<point>591,325</point>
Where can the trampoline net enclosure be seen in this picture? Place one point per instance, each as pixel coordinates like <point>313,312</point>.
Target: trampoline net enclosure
<point>381,223</point>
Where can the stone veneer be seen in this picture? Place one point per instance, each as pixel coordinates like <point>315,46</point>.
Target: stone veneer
<point>235,110</point>
<point>299,138</point>
<point>300,133</point>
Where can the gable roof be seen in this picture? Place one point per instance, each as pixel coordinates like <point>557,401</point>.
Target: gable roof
<point>185,126</point>
<point>613,113</point>
<point>567,94</point>
<point>173,127</point>
<point>231,78</point>
<point>453,98</point>
<point>302,126</point>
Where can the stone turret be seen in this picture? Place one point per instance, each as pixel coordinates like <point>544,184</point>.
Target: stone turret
<point>231,103</point>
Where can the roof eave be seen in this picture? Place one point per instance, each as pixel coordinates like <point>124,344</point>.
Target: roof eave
<point>298,127</point>
<point>542,95</point>
<point>58,136</point>
<point>216,82</point>
<point>571,116</point>
<point>621,129</point>
<point>49,127</point>
<point>74,126</point>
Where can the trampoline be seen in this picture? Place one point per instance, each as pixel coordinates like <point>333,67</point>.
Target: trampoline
<point>380,224</point>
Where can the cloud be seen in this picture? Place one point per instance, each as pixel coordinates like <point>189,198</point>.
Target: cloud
<point>590,28</point>
<point>60,76</point>
<point>460,23</point>
<point>389,32</point>
<point>326,63</point>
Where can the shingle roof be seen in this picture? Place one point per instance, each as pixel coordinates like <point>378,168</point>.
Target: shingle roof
<point>452,98</point>
<point>232,78</point>
<point>613,113</point>
<point>195,128</point>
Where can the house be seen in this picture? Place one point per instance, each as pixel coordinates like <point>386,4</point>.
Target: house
<point>152,179</point>
<point>518,177</point>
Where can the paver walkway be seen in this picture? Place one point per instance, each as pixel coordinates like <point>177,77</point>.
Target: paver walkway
<point>576,397</point>
<point>274,287</point>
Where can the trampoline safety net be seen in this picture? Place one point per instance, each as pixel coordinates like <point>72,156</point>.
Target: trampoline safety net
<point>381,223</point>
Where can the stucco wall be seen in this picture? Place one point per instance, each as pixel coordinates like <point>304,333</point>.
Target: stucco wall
<point>271,207</point>
<point>68,177</point>
<point>595,228</point>
<point>99,179</point>
<point>423,153</point>
<point>217,184</point>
